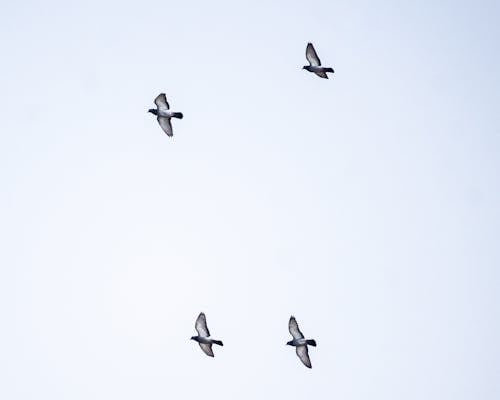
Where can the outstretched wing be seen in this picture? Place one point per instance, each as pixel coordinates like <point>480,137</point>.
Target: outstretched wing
<point>311,55</point>
<point>161,101</point>
<point>207,349</point>
<point>165,125</point>
<point>303,354</point>
<point>293,327</point>
<point>202,329</point>
<point>322,74</point>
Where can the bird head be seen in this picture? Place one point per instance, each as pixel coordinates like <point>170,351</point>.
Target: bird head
<point>153,111</point>
<point>290,343</point>
<point>193,337</point>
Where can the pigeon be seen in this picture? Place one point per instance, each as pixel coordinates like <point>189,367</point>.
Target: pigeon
<point>203,337</point>
<point>299,342</point>
<point>164,114</point>
<point>315,63</point>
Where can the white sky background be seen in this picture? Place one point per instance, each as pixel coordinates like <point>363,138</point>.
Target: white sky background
<point>368,205</point>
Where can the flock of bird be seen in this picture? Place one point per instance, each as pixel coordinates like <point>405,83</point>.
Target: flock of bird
<point>299,341</point>
<point>164,115</point>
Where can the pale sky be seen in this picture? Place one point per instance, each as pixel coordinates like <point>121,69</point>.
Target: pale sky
<point>367,205</point>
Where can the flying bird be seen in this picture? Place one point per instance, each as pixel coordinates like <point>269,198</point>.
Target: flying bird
<point>163,114</point>
<point>300,342</point>
<point>315,63</point>
<point>203,337</point>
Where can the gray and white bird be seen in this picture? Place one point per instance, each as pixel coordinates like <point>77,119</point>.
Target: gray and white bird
<point>203,337</point>
<point>315,63</point>
<point>163,114</point>
<point>300,342</point>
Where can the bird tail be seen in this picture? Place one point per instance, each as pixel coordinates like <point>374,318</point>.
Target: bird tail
<point>311,342</point>
<point>218,342</point>
<point>177,115</point>
<point>329,70</point>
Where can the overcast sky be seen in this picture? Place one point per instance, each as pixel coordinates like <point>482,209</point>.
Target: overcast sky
<point>367,205</point>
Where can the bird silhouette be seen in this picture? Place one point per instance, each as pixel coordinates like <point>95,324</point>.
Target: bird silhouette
<point>163,114</point>
<point>299,342</point>
<point>315,63</point>
<point>203,337</point>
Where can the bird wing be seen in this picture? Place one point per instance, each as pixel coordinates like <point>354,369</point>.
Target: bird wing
<point>201,327</point>
<point>322,74</point>
<point>166,125</point>
<point>293,327</point>
<point>303,354</point>
<point>207,349</point>
<point>161,101</point>
<point>311,55</point>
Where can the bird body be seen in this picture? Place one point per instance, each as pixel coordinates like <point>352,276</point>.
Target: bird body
<point>302,342</point>
<point>315,63</point>
<point>164,114</point>
<point>319,70</point>
<point>203,338</point>
<point>206,340</point>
